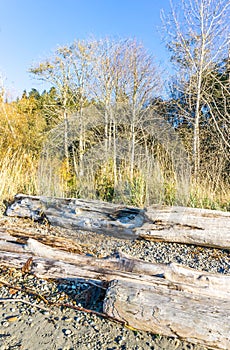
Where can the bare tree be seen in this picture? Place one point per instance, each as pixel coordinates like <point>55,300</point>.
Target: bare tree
<point>143,83</point>
<point>115,144</point>
<point>126,80</point>
<point>198,38</point>
<point>104,81</point>
<point>81,53</point>
<point>57,71</point>
<point>69,72</point>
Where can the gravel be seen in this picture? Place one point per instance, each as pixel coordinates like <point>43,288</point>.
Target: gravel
<point>35,315</point>
<point>201,258</point>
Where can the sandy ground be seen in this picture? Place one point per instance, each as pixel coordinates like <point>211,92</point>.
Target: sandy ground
<point>73,330</point>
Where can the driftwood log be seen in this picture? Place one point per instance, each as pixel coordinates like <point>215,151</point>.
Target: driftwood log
<point>55,263</point>
<point>164,309</point>
<point>170,224</point>
<point>166,299</point>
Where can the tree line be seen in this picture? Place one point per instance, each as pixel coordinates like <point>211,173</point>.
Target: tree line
<point>103,129</point>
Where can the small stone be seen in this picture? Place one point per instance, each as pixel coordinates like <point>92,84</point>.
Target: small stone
<point>5,324</point>
<point>67,332</point>
<point>46,313</point>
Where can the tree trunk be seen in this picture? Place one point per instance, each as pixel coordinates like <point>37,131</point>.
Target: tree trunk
<point>81,140</point>
<point>170,224</point>
<point>132,151</point>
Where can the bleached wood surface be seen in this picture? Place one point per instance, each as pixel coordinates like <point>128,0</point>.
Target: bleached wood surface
<point>118,266</point>
<point>170,224</point>
<point>164,309</point>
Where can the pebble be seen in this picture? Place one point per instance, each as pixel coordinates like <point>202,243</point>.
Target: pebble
<point>46,313</point>
<point>67,332</point>
<point>77,319</point>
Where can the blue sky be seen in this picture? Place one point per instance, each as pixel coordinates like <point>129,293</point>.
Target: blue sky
<point>30,30</point>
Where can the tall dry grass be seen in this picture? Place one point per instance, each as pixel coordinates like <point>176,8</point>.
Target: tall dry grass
<point>203,195</point>
<point>18,174</point>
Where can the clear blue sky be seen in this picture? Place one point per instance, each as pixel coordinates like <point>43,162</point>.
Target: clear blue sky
<point>30,30</point>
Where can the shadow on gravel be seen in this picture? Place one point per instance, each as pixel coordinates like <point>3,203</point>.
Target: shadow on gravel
<point>87,294</point>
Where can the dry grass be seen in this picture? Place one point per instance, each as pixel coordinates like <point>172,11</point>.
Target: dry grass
<point>205,195</point>
<point>18,173</point>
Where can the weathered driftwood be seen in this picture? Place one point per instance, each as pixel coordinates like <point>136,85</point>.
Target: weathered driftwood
<point>171,224</point>
<point>168,299</point>
<point>60,242</point>
<point>163,310</point>
<point>96,216</point>
<point>109,268</point>
<point>117,266</point>
<point>204,227</point>
<point>157,306</point>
